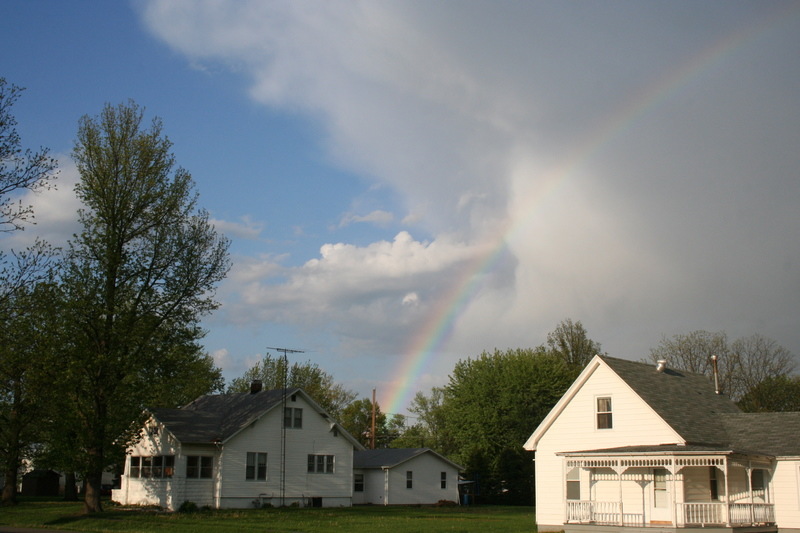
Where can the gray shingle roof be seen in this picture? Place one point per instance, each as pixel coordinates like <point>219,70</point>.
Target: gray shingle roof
<point>217,417</point>
<point>704,419</point>
<point>391,457</point>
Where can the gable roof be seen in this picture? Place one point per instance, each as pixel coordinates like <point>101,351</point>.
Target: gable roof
<point>216,418</point>
<point>391,457</point>
<point>705,420</point>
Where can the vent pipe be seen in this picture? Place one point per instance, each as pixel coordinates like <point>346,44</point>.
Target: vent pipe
<point>661,365</point>
<point>255,386</point>
<point>716,373</point>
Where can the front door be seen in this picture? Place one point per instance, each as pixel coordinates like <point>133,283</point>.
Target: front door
<point>661,497</point>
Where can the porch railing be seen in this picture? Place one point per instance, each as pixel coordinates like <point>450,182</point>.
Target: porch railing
<point>688,514</point>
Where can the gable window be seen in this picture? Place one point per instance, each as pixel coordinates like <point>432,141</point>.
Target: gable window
<point>256,468</point>
<point>293,417</point>
<point>158,466</point>
<point>444,480</point>
<point>409,479</point>
<point>199,466</point>
<point>604,420</point>
<point>358,482</point>
<point>574,484</point>
<point>320,464</point>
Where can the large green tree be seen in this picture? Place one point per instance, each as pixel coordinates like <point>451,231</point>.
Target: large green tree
<point>22,309</point>
<point>320,385</point>
<point>27,345</point>
<point>775,393</point>
<point>491,405</point>
<point>137,280</point>
<point>429,427</point>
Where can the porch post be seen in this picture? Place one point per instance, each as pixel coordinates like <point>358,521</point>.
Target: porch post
<point>674,471</point>
<point>620,470</point>
<point>750,489</point>
<point>727,493</point>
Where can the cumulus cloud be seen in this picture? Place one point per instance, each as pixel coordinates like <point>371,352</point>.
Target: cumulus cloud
<point>570,160</point>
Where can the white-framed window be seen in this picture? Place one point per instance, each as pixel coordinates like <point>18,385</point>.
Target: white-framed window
<point>321,464</point>
<point>256,467</point>
<point>358,482</point>
<point>443,481</point>
<point>199,466</point>
<point>604,415</point>
<point>157,466</point>
<point>409,479</point>
<point>574,484</point>
<point>293,417</point>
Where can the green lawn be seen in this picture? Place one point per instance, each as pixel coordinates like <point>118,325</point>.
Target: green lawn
<point>66,516</point>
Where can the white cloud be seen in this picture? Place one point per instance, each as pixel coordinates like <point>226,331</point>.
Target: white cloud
<point>245,228</point>
<point>568,161</point>
<point>377,217</point>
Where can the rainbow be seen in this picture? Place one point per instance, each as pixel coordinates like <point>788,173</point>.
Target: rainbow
<point>443,317</point>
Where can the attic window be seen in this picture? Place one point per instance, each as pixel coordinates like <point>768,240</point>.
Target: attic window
<point>604,418</point>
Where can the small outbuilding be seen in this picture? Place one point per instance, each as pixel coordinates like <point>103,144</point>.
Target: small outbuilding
<point>404,476</point>
<point>40,482</point>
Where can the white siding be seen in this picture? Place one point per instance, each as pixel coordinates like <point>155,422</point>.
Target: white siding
<point>785,492</point>
<point>426,486</point>
<point>374,486</point>
<point>634,422</point>
<point>315,437</point>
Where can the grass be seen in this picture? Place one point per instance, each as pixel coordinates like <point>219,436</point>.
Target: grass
<point>67,516</point>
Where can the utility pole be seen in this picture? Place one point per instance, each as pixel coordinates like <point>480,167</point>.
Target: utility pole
<point>284,351</point>
<point>372,432</point>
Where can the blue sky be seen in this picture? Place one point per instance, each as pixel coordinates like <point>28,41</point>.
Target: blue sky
<point>409,184</point>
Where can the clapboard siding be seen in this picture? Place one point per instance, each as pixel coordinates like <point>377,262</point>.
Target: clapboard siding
<point>786,492</point>
<point>574,429</point>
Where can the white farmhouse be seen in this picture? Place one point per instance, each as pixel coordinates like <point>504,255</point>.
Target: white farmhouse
<point>632,446</point>
<point>241,450</point>
<point>404,476</point>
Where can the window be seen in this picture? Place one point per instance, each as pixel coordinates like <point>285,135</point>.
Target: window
<point>574,484</point>
<point>159,466</point>
<point>444,480</point>
<point>712,476</point>
<point>358,482</point>
<point>409,479</point>
<point>604,413</point>
<point>256,468</point>
<point>757,483</point>
<point>199,466</point>
<point>660,487</point>
<point>320,464</point>
<point>293,417</point>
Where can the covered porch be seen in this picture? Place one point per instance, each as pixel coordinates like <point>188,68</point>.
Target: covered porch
<point>668,487</point>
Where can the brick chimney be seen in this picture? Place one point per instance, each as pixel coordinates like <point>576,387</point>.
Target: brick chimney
<point>255,386</point>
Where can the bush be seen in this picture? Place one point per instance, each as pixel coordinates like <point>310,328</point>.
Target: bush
<point>188,507</point>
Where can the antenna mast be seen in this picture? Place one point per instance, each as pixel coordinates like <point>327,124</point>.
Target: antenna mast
<point>284,351</point>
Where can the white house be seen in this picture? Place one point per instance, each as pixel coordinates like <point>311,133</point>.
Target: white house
<point>241,450</point>
<point>632,446</point>
<point>404,476</point>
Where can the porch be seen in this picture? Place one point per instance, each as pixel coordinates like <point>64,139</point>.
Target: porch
<point>703,515</point>
<point>675,491</point>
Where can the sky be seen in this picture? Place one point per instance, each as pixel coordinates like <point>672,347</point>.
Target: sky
<point>409,184</point>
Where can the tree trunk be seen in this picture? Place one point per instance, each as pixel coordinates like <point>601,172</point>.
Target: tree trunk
<point>10,488</point>
<point>70,487</point>
<point>91,499</point>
